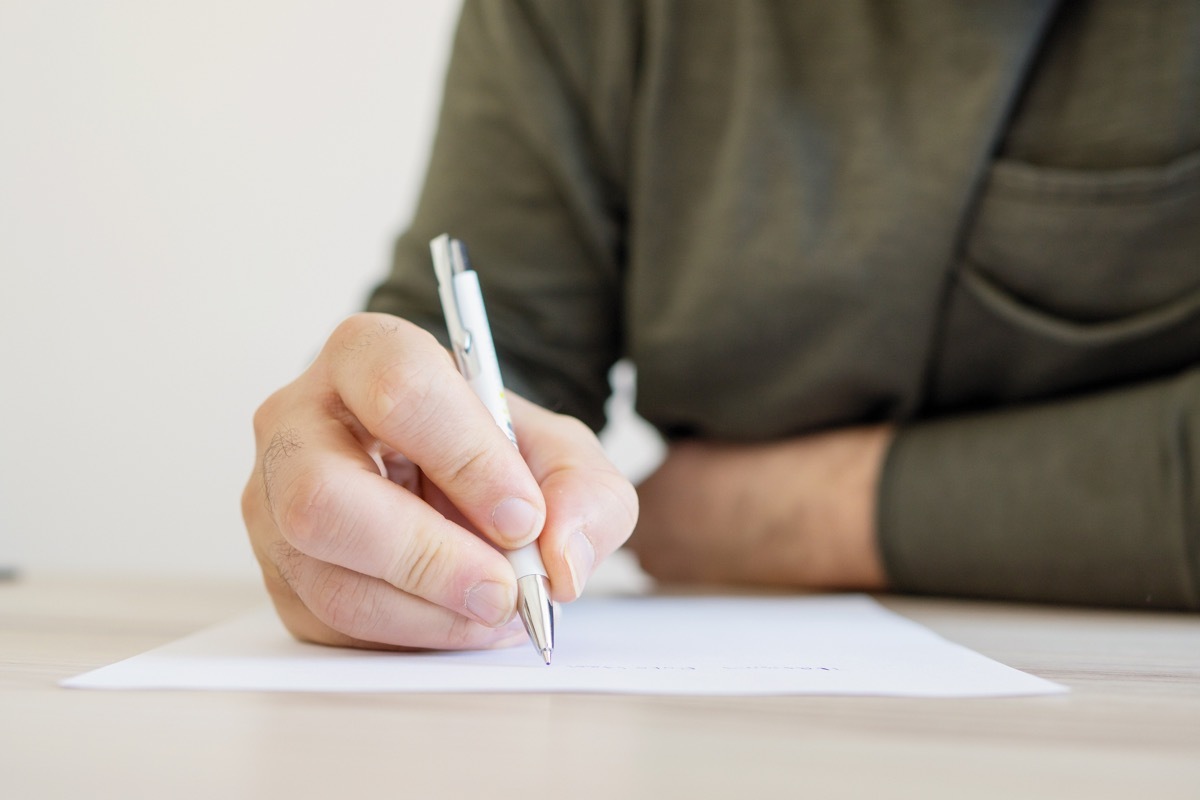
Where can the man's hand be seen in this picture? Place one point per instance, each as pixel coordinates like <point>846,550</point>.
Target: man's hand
<point>379,477</point>
<point>793,513</point>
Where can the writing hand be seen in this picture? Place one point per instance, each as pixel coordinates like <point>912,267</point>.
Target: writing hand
<point>379,475</point>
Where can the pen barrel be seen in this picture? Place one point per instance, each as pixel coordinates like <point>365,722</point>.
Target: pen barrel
<point>478,362</point>
<point>477,354</point>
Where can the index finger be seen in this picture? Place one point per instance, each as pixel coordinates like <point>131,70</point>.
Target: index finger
<point>402,386</point>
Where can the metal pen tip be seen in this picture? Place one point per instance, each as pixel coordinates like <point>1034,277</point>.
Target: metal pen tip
<point>537,612</point>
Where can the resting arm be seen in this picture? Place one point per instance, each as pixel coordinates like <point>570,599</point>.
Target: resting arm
<point>1089,500</point>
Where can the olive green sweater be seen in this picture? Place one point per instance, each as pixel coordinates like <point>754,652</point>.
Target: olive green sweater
<point>980,221</point>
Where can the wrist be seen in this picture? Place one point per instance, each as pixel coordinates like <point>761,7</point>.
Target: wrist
<point>837,480</point>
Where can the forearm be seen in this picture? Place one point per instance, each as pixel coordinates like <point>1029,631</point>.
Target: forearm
<point>798,512</point>
<point>1090,500</point>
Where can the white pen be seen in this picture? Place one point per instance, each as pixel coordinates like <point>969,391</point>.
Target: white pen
<point>471,340</point>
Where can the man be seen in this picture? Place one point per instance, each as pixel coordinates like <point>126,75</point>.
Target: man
<point>913,291</point>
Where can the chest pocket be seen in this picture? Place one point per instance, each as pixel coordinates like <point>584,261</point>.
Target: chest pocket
<point>1071,280</point>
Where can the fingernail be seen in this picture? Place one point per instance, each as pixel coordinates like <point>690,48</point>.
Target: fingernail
<point>491,603</point>
<point>581,557</point>
<point>516,519</point>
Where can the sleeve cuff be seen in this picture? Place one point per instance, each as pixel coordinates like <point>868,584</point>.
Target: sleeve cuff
<point>1089,500</point>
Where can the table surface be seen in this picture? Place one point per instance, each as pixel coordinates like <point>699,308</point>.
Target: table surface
<point>1129,728</point>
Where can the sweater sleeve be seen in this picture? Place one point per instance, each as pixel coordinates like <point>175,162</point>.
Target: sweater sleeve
<point>1086,500</point>
<point>520,173</point>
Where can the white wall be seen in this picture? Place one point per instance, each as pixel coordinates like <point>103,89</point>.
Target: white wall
<point>192,193</point>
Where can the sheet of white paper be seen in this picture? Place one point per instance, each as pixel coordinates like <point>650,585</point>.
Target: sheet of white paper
<point>840,644</point>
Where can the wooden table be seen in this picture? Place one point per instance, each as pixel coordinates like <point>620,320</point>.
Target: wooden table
<point>1129,729</point>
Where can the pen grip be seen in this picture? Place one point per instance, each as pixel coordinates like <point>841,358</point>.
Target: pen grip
<point>477,353</point>
<point>526,560</point>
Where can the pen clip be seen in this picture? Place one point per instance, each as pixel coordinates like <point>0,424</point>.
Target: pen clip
<point>449,260</point>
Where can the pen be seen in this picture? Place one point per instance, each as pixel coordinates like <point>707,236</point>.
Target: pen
<point>475,353</point>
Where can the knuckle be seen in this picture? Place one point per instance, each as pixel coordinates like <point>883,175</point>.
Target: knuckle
<point>402,391</point>
<point>341,600</point>
<point>309,503</point>
<point>281,565</point>
<point>285,443</point>
<point>407,377</point>
<point>294,613</point>
<point>350,332</point>
<point>362,332</point>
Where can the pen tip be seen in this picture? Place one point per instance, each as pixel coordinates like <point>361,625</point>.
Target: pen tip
<point>546,655</point>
